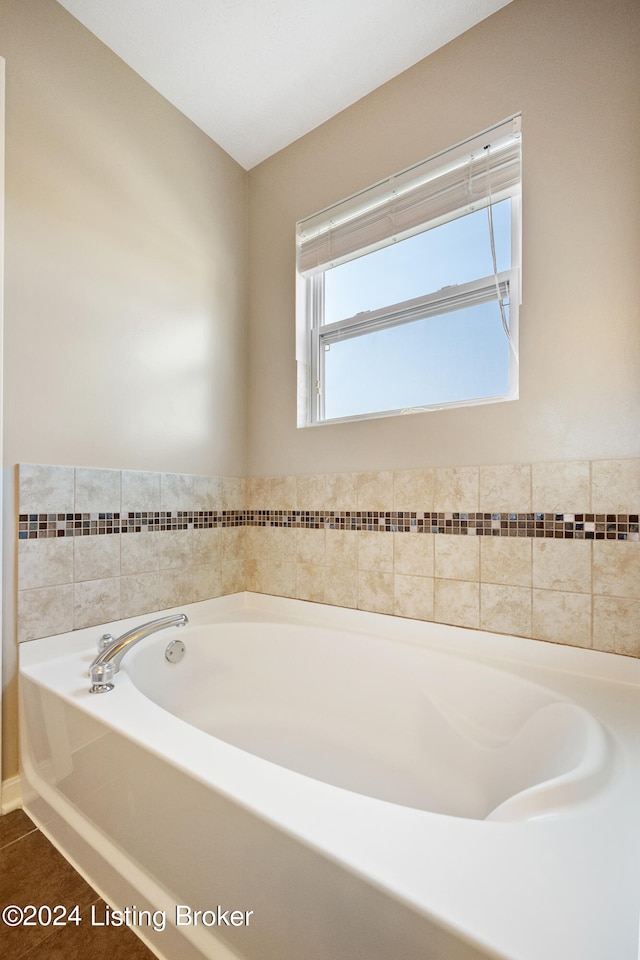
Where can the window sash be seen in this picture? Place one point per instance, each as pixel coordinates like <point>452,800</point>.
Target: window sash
<point>501,287</point>
<point>457,297</point>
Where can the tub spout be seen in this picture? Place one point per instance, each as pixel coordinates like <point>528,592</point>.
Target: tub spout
<point>108,661</point>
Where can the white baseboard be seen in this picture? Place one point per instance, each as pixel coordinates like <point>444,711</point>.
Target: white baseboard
<point>11,794</point>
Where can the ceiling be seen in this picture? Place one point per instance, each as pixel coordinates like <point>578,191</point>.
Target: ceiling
<point>257,74</point>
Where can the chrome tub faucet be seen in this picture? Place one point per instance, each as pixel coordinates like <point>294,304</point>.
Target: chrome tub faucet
<point>112,650</point>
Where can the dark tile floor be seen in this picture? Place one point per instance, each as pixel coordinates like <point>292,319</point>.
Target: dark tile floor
<point>33,872</point>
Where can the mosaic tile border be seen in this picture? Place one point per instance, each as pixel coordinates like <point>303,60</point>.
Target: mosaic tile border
<point>558,526</point>
<point>37,526</point>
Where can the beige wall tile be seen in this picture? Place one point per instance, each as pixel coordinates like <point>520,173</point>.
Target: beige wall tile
<point>616,625</point>
<point>375,490</point>
<point>457,602</point>
<point>375,591</point>
<point>231,541</point>
<point>252,575</point>
<point>176,492</point>
<point>375,551</point>
<point>139,594</point>
<point>259,493</point>
<point>341,586</point>
<point>562,565</point>
<point>139,553</point>
<point>96,558</point>
<point>341,549</point>
<point>95,601</point>
<point>282,543</point>
<point>176,548</point>
<point>175,587</point>
<point>616,568</point>
<point>413,490</point>
<point>207,493</point>
<point>233,575</point>
<point>217,535</point>
<point>505,609</point>
<point>562,617</point>
<point>256,543</point>
<point>253,572</point>
<point>413,597</point>
<point>310,582</point>
<point>234,493</point>
<point>456,489</point>
<point>505,489</point>
<point>45,612</point>
<point>506,560</point>
<point>45,563</point>
<point>341,491</point>
<point>279,578</point>
<point>615,486</point>
<point>311,492</point>
<point>46,489</point>
<point>457,557</point>
<point>561,487</point>
<point>140,491</point>
<point>206,580</point>
<point>206,544</point>
<point>310,546</point>
<point>97,491</point>
<point>413,554</point>
<point>283,493</point>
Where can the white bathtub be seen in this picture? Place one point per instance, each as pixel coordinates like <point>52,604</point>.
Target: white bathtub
<point>344,785</point>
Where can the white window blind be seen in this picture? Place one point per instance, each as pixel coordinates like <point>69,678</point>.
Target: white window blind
<point>465,178</point>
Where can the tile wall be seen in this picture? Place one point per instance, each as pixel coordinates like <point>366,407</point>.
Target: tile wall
<point>101,545</point>
<point>549,551</point>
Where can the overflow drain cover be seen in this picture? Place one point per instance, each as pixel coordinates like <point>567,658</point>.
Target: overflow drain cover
<point>175,651</point>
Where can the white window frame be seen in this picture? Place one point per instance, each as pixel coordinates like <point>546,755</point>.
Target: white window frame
<point>473,178</point>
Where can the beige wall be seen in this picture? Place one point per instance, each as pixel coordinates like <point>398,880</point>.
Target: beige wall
<point>572,68</point>
<point>125,263</point>
<point>125,276</point>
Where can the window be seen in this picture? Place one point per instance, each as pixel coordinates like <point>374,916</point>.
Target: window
<point>408,293</point>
